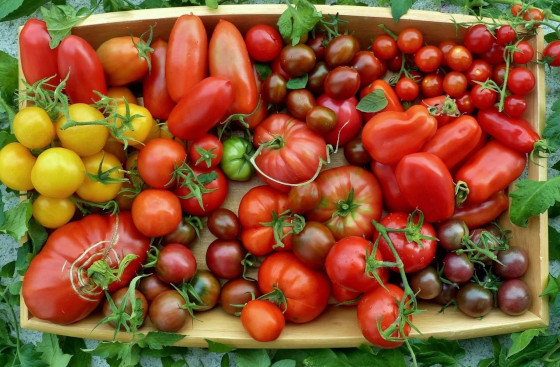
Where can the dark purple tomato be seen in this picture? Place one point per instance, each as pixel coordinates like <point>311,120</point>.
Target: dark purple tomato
<point>451,234</point>
<point>185,234</point>
<point>275,88</point>
<point>207,287</point>
<point>316,78</point>
<point>474,300</point>
<point>176,264</point>
<point>368,66</point>
<point>224,258</point>
<point>514,297</point>
<point>457,268</point>
<point>224,224</point>
<point>341,50</point>
<point>167,313</point>
<point>297,60</point>
<point>512,264</point>
<point>236,292</point>
<point>316,44</point>
<point>312,244</point>
<point>321,120</point>
<point>151,286</point>
<point>299,102</point>
<point>355,153</point>
<point>448,294</point>
<point>426,283</point>
<point>342,82</point>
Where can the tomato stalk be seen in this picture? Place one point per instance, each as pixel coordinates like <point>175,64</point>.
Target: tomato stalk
<point>525,6</point>
<point>347,206</point>
<point>102,274</point>
<point>447,108</point>
<point>187,291</point>
<point>461,192</point>
<point>249,261</point>
<point>484,248</point>
<point>186,177</point>
<point>277,297</point>
<point>47,96</point>
<point>105,176</point>
<point>84,206</point>
<point>15,325</point>
<point>239,117</point>
<point>296,222</point>
<point>144,48</point>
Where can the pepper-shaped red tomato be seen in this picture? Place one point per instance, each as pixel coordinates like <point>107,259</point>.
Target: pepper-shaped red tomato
<point>307,291</point>
<point>454,141</point>
<point>427,185</point>
<point>476,215</point>
<point>77,58</point>
<point>155,89</point>
<point>349,119</point>
<point>293,151</point>
<point>389,136</point>
<point>443,108</point>
<point>186,62</point>
<point>201,108</point>
<point>350,198</point>
<point>490,170</point>
<point>228,58</point>
<point>515,132</point>
<point>393,198</point>
<point>56,286</point>
<point>393,101</point>
<point>38,59</point>
<point>262,210</point>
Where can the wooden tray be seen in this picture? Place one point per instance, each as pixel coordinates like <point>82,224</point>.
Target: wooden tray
<point>337,327</point>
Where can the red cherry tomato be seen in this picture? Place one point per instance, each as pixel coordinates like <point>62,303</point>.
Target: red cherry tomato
<point>264,42</point>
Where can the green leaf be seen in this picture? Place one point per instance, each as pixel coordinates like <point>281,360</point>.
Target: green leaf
<point>6,138</point>
<point>437,351</point>
<point>8,83</point>
<point>7,271</point>
<point>216,347</point>
<point>532,198</point>
<point>51,353</point>
<point>252,358</point>
<point>108,349</point>
<point>522,340</point>
<point>551,130</point>
<point>16,220</point>
<point>159,339</point>
<point>392,357</point>
<point>27,8</point>
<point>170,362</point>
<point>8,6</point>
<point>536,349</point>
<point>38,235</point>
<point>400,8</point>
<point>373,102</point>
<point>117,5</point>
<point>296,354</point>
<point>297,83</point>
<point>285,363</point>
<point>323,358</point>
<point>30,357</point>
<point>551,290</point>
<point>75,347</point>
<point>60,19</point>
<point>553,243</point>
<point>212,4</point>
<point>263,70</point>
<point>298,19</point>
<point>552,36</point>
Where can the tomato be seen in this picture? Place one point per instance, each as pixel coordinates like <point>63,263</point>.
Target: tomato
<point>384,47</point>
<point>389,136</point>
<point>514,132</point>
<point>307,291</point>
<point>167,312</point>
<point>38,59</point>
<point>368,66</point>
<point>345,297</point>
<point>505,34</point>
<point>407,89</point>
<point>479,71</point>
<point>237,292</point>
<point>135,123</point>
<point>474,300</point>
<point>393,101</point>
<point>263,320</point>
<point>316,77</point>
<point>264,42</point>
<point>455,84</point>
<point>120,296</point>
<point>151,286</point>
<point>431,85</point>
<point>257,211</point>
<point>16,165</point>
<point>206,151</point>
<point>224,224</point>
<point>186,61</point>
<point>297,60</point>
<point>495,55</point>
<point>201,108</point>
<point>426,183</point>
<point>216,185</point>
<point>524,54</point>
<point>490,170</point>
<point>274,89</point>
<point>224,258</point>
<point>482,97</point>
<point>56,286</point>
<point>154,87</point>
<point>342,82</point>
<point>521,80</point>
<point>33,127</point>
<point>379,309</point>
<point>393,199</point>
<point>428,58</point>
<point>156,212</point>
<point>77,58</point>
<point>515,105</point>
<point>350,199</point>
<point>443,108</point>
<point>84,138</point>
<point>454,141</point>
<point>514,297</point>
<point>111,182</point>
<point>476,215</point>
<point>235,162</point>
<point>229,59</point>
<point>303,198</point>
<point>355,153</point>
<point>459,58</point>
<point>125,50</point>
<point>299,102</point>
<point>57,173</point>
<point>321,120</point>
<point>157,161</point>
<point>478,39</point>
<point>312,244</point>
<point>316,44</point>
<point>464,103</point>
<point>457,268</point>
<point>499,74</point>
<point>349,119</point>
<point>341,50</point>
<point>410,40</point>
<point>185,233</point>
<point>207,287</point>
<point>516,9</point>
<point>120,94</point>
<point>552,51</point>
<point>533,14</point>
<point>426,283</point>
<point>445,46</point>
<point>51,212</point>
<point>176,264</point>
<point>283,161</point>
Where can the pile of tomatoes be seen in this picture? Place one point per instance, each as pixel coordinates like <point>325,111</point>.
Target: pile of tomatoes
<point>429,163</point>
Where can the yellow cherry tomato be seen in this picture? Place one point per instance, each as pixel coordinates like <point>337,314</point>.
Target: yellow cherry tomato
<point>84,139</point>
<point>122,93</point>
<point>53,212</point>
<point>58,172</point>
<point>116,148</point>
<point>16,163</point>
<point>110,178</point>
<point>139,118</point>
<point>33,127</point>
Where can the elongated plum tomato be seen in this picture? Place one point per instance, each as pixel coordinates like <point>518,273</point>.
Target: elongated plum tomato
<point>154,87</point>
<point>38,59</point>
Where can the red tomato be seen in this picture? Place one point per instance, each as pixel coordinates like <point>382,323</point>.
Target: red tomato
<point>224,258</point>
<point>368,66</point>
<point>77,58</point>
<point>121,60</point>
<point>206,151</point>
<point>56,286</point>
<point>479,71</point>
<point>410,40</point>
<point>347,265</point>
<point>350,198</point>
<point>228,58</point>
<point>393,101</point>
<point>482,97</point>
<point>525,53</point>
<point>341,50</point>
<point>38,59</point>
<point>264,42</point>
<point>384,47</point>
<point>342,82</point>
<point>176,264</point>
<point>263,320</point>
<point>157,161</point>
<point>216,185</point>
<point>283,161</point>
<point>156,212</point>
<point>155,90</point>
<point>476,215</point>
<point>393,199</point>
<point>428,58</point>
<point>389,136</point>
<point>478,39</point>
<point>202,107</point>
<point>495,55</point>
<point>459,58</point>
<point>505,34</point>
<point>521,80</point>
<point>431,85</point>
<point>349,119</point>
<point>455,84</point>
<point>186,63</point>
<point>307,291</point>
<point>407,89</point>
<point>515,105</point>
<point>552,50</point>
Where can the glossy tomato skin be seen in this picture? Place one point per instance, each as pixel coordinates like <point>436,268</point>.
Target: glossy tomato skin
<point>303,198</point>
<point>176,264</point>
<point>263,320</point>
<point>228,58</point>
<point>77,57</point>
<point>151,286</point>
<point>413,256</point>
<point>287,162</point>
<point>346,264</point>
<point>368,66</point>
<point>350,198</point>
<point>157,161</point>
<point>238,292</point>
<point>312,244</point>
<point>38,59</point>
<point>389,136</point>
<point>341,50</point>
<point>206,151</point>
<point>224,258</point>
<point>307,291</point>
<point>393,199</point>
<point>476,215</point>
<point>393,101</point>
<point>207,287</point>
<point>156,212</point>
<point>166,312</point>
<point>478,38</point>
<point>187,55</point>
<point>264,42</point>
<point>349,119</point>
<point>553,50</point>
<point>224,224</point>
<point>426,183</point>
<point>380,306</point>
<point>342,82</point>
<point>521,80</point>
<point>210,201</point>
<point>118,51</point>
<point>202,107</point>
<point>154,87</point>
<point>490,170</point>
<point>47,287</point>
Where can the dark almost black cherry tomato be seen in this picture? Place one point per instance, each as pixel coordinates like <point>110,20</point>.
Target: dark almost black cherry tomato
<point>321,120</point>
<point>316,44</point>
<point>355,153</point>
<point>513,263</point>
<point>312,244</point>
<point>368,66</point>
<point>448,294</point>
<point>207,287</point>
<point>475,300</point>
<point>451,233</point>
<point>514,297</point>
<point>236,292</point>
<point>316,78</point>
<point>299,102</point>
<point>224,258</point>
<point>224,224</point>
<point>185,234</point>
<point>457,268</point>
<point>151,286</point>
<point>342,82</point>
<point>167,313</point>
<point>275,88</point>
<point>297,60</point>
<point>426,283</point>
<point>341,50</point>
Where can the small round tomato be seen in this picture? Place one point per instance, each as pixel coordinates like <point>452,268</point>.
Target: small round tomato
<point>207,287</point>
<point>384,47</point>
<point>478,38</point>
<point>185,233</point>
<point>58,173</point>
<point>499,73</point>
<point>303,198</point>
<point>368,66</point>
<point>464,103</point>
<point>236,292</point>
<point>124,50</point>
<point>316,77</point>
<point>516,9</point>
<point>312,244</point>
<point>475,300</point>
<point>151,286</point>
<point>432,85</point>
<point>274,89</point>
<point>299,102</point>
<point>355,152</point>
<point>482,98</point>
<point>235,163</point>
<point>156,212</point>
<point>515,105</point>
<point>176,264</point>
<point>342,82</point>
<point>121,94</point>
<point>167,311</point>
<point>110,175</point>
<point>16,165</point>
<point>216,186</point>
<point>33,127</point>
<point>341,50</point>
<point>514,297</point>
<point>524,54</point>
<point>426,283</point>
<point>410,40</point>
<point>118,297</point>
<point>455,84</point>
<point>445,47</point>
<point>263,320</point>
<point>158,159</point>
<point>505,34</point>
<point>428,58</point>
<point>479,71</point>
<point>521,80</point>
<point>495,55</point>
<point>533,14</point>
<point>224,224</point>
<point>457,268</point>
<point>297,60</point>
<point>51,212</point>
<point>407,89</point>
<point>321,120</point>
<point>264,42</point>
<point>459,58</point>
<point>138,123</point>
<point>552,51</point>
<point>316,44</point>
<point>206,151</point>
<point>224,258</point>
